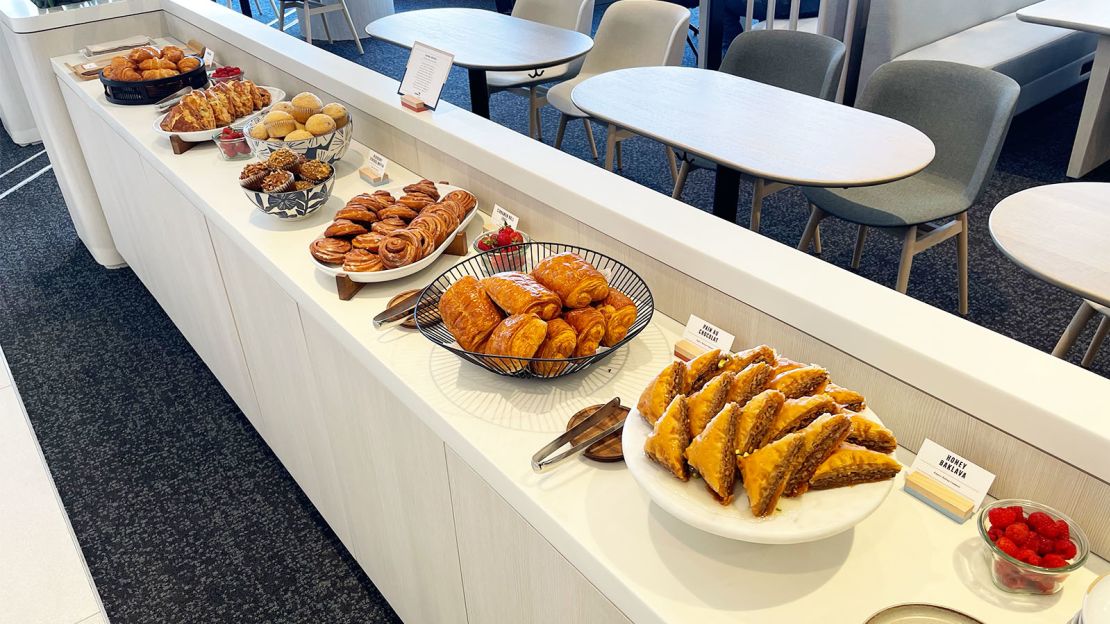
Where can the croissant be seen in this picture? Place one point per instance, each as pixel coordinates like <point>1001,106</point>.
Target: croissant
<point>590,325</point>
<point>125,74</point>
<point>518,293</point>
<point>557,345</point>
<point>156,74</point>
<point>172,53</point>
<point>468,313</point>
<point>519,335</point>
<point>188,64</point>
<point>155,63</point>
<point>576,281</point>
<point>619,312</point>
<point>138,55</point>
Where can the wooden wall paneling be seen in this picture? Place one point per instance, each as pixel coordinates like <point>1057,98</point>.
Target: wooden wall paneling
<point>511,574</point>
<point>393,475</point>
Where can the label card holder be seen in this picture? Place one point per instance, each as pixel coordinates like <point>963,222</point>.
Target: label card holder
<point>209,58</point>
<point>425,74</point>
<point>701,336</point>
<point>502,217</point>
<point>947,482</point>
<point>374,170</point>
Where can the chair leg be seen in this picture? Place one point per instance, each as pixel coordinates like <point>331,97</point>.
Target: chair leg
<point>620,165</point>
<point>351,24</point>
<point>590,136</point>
<point>278,14</point>
<point>1075,327</point>
<point>909,242</point>
<point>857,255</point>
<point>815,217</point>
<point>327,31</point>
<point>961,261</point>
<point>563,119</point>
<point>680,183</point>
<point>817,240</point>
<point>307,24</point>
<point>1096,342</point>
<point>610,146</point>
<point>672,162</point>
<point>281,16</point>
<point>532,112</point>
<point>757,204</point>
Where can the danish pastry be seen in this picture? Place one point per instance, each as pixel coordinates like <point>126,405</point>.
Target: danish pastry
<point>362,261</point>
<point>399,211</point>
<point>465,200</point>
<point>557,345</point>
<point>357,215</point>
<point>400,248</point>
<point>369,241</point>
<point>468,313</point>
<point>576,281</point>
<point>342,228</point>
<point>427,187</point>
<point>518,336</point>
<point>416,201</point>
<point>387,226</point>
<point>590,326</point>
<point>518,293</point>
<point>329,250</point>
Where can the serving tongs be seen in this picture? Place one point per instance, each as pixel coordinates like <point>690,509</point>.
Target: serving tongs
<point>397,313</point>
<point>542,460</point>
<point>168,102</point>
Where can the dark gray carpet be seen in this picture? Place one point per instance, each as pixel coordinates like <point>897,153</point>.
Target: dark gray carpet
<point>184,514</point>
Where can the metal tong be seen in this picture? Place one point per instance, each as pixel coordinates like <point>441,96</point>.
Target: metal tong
<point>170,100</point>
<point>542,461</point>
<point>397,313</point>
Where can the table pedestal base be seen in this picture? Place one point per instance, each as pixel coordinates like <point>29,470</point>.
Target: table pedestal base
<point>479,92</point>
<point>1092,139</point>
<point>726,193</point>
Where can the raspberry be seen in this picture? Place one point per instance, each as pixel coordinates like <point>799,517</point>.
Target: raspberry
<point>1025,555</point>
<point>1001,517</point>
<point>1063,529</point>
<point>1008,546</point>
<point>1033,560</point>
<point>994,534</point>
<point>1019,513</point>
<point>1019,532</point>
<point>1037,519</point>
<point>1053,561</point>
<point>1065,548</point>
<point>1042,545</point>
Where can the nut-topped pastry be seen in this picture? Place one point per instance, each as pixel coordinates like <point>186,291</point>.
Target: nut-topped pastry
<point>283,158</point>
<point>251,176</point>
<point>313,170</point>
<point>277,182</point>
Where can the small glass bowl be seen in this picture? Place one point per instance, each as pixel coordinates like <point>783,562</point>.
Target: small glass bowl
<point>1018,577</point>
<point>216,80</point>
<point>233,149</point>
<point>499,259</point>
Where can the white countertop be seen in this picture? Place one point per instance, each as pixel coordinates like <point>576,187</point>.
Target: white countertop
<point>1085,15</point>
<point>23,16</point>
<point>651,566</point>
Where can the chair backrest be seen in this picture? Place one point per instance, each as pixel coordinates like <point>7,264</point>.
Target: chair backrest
<point>638,33</point>
<point>570,14</point>
<point>964,110</point>
<point>798,61</point>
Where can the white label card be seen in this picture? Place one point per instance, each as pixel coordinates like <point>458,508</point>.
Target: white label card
<point>426,73</point>
<point>707,335</point>
<point>504,217</point>
<point>377,164</point>
<point>953,471</point>
<point>89,66</point>
<point>209,57</point>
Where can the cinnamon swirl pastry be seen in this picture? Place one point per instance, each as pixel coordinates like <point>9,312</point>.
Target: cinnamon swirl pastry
<point>416,201</point>
<point>344,228</point>
<point>368,241</point>
<point>402,212</point>
<point>357,215</point>
<point>385,196</point>
<point>329,250</point>
<point>425,186</point>
<point>454,207</point>
<point>385,226</point>
<point>427,242</point>
<point>465,200</point>
<point>400,248</point>
<point>434,227</point>
<point>450,220</point>
<point>362,261</point>
<point>372,203</point>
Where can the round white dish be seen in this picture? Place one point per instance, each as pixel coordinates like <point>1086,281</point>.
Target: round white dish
<point>200,136</point>
<point>405,271</point>
<point>810,517</point>
<point>920,614</point>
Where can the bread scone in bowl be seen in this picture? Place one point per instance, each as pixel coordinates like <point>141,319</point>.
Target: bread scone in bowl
<point>329,147</point>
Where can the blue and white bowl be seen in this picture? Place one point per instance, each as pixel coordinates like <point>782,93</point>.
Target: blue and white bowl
<point>329,148</point>
<point>292,205</point>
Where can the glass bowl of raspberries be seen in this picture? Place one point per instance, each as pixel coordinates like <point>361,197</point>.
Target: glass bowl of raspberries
<point>502,249</point>
<point>233,145</point>
<point>1033,548</point>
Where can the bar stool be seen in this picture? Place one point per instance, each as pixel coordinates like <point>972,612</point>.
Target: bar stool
<point>231,4</point>
<point>1087,310</point>
<point>315,7</point>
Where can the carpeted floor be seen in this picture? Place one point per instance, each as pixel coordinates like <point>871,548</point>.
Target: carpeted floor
<point>183,513</point>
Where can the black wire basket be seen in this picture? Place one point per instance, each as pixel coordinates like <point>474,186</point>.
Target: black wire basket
<point>151,91</point>
<point>523,257</point>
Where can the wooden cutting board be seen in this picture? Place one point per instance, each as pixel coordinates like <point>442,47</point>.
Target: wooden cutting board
<point>607,449</point>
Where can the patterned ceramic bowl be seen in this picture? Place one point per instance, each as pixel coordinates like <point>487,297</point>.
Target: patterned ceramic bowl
<point>328,148</point>
<point>292,205</point>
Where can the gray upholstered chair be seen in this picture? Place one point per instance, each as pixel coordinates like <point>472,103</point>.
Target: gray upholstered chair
<point>797,61</point>
<point>966,112</point>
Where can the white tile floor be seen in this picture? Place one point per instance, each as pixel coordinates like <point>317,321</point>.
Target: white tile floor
<point>43,578</point>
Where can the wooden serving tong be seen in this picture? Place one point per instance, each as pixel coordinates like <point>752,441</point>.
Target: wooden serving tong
<point>542,460</point>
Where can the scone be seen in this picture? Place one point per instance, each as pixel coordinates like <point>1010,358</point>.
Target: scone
<point>319,124</point>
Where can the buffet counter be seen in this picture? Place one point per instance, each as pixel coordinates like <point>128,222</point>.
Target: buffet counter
<point>420,461</point>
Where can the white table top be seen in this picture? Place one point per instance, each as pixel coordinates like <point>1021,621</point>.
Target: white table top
<point>24,16</point>
<point>1086,15</point>
<point>483,39</point>
<point>1058,232</point>
<point>654,568</point>
<point>755,128</point>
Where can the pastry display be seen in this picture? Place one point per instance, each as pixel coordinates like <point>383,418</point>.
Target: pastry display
<point>782,434</point>
<point>150,63</point>
<point>282,172</point>
<point>215,107</point>
<point>401,235</point>
<point>305,116</point>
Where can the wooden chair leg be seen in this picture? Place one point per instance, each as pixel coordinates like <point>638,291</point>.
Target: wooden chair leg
<point>857,254</point>
<point>563,119</point>
<point>610,146</point>
<point>1075,327</point>
<point>909,244</point>
<point>1096,342</point>
<point>351,24</point>
<point>757,204</point>
<point>680,183</point>
<point>590,136</point>
<point>672,163</point>
<point>620,165</point>
<point>816,215</point>
<point>961,261</point>
<point>817,240</point>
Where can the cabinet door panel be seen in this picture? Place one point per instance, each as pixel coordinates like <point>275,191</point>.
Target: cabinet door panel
<point>510,572</point>
<point>394,479</point>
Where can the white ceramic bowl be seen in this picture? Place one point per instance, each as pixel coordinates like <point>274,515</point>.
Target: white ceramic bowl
<point>292,205</point>
<point>328,148</point>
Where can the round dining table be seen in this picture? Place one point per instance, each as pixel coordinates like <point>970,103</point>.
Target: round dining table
<point>1058,233</point>
<point>772,135</point>
<point>483,41</point>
